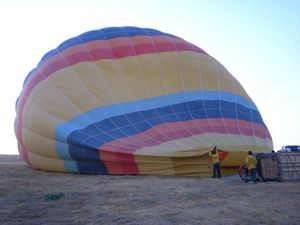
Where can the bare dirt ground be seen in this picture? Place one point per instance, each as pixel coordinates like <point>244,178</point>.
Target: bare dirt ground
<point>162,200</point>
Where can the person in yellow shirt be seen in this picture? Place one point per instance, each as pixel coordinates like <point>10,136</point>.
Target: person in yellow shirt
<point>216,162</point>
<point>251,165</point>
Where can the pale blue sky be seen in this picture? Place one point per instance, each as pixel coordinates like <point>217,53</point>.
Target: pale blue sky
<point>258,41</point>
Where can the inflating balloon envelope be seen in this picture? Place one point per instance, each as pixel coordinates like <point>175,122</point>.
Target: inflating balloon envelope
<point>128,100</point>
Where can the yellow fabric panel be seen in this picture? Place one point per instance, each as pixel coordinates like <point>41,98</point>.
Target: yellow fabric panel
<point>228,82</point>
<point>193,170</point>
<point>186,166</point>
<point>200,166</point>
<point>38,144</point>
<point>131,75</point>
<point>190,165</point>
<point>40,122</point>
<point>45,108</point>
<point>154,165</point>
<point>175,147</point>
<point>50,100</point>
<point>91,76</point>
<point>72,86</point>
<point>209,74</point>
<point>45,163</point>
<point>170,73</point>
<point>151,75</point>
<point>190,71</point>
<point>199,152</point>
<point>234,158</point>
<point>104,80</point>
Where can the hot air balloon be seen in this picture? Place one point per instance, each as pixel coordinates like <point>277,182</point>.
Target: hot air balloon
<point>129,100</point>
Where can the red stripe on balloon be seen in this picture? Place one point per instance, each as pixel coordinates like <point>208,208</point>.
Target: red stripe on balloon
<point>119,163</point>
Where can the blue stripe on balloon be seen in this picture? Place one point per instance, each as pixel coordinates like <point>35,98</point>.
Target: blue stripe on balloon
<point>71,166</point>
<point>92,167</point>
<point>63,150</point>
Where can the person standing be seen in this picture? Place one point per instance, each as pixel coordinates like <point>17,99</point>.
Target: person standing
<point>216,162</point>
<point>251,165</point>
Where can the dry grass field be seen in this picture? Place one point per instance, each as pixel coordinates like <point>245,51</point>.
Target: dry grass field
<point>149,200</point>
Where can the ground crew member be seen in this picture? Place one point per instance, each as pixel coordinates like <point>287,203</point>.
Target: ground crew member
<point>251,165</point>
<point>216,162</point>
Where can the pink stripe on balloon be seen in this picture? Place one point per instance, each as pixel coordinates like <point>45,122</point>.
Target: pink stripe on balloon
<point>172,131</point>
